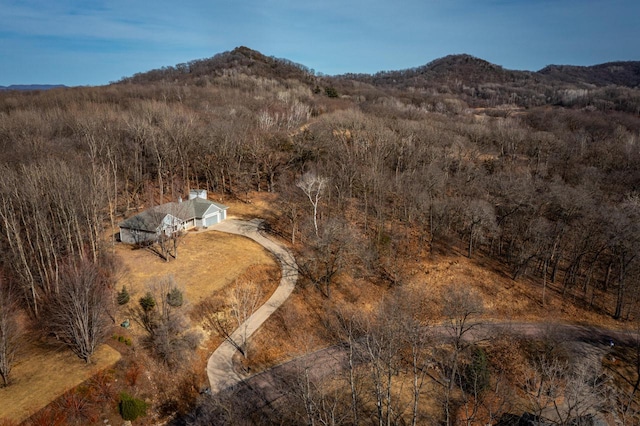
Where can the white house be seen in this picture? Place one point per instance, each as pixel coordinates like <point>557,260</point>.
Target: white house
<point>165,219</point>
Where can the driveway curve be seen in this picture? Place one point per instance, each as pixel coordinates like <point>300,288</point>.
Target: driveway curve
<point>220,369</point>
<point>272,385</point>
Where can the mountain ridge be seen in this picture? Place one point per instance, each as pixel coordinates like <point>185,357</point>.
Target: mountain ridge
<point>463,68</point>
<point>29,87</point>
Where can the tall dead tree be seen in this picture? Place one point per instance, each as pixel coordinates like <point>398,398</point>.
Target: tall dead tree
<point>313,186</point>
<point>9,331</point>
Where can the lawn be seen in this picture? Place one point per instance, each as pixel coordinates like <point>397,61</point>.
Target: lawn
<point>207,262</point>
<point>44,373</point>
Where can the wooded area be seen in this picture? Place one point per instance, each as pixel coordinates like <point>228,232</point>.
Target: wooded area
<point>538,174</point>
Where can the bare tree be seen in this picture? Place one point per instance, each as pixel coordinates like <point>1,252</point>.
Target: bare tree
<point>45,221</point>
<point>584,392</point>
<point>9,331</point>
<point>460,304</point>
<point>160,312</point>
<point>323,257</point>
<point>563,392</point>
<point>382,346</point>
<point>230,321</point>
<point>478,221</point>
<point>313,186</point>
<point>349,328</point>
<point>417,357</point>
<point>78,314</point>
<point>244,302</point>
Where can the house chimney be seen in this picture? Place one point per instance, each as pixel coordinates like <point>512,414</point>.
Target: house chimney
<point>198,193</point>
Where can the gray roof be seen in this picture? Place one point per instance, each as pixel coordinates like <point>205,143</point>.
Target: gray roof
<point>150,220</point>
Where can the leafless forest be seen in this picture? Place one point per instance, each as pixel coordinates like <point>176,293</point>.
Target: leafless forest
<point>538,172</point>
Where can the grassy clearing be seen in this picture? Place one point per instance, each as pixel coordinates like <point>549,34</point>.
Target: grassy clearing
<point>207,262</point>
<point>45,372</point>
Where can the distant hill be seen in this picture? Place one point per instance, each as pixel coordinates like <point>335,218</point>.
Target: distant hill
<point>241,59</point>
<point>618,73</point>
<point>477,82</point>
<point>27,87</point>
<point>462,68</point>
<point>467,69</point>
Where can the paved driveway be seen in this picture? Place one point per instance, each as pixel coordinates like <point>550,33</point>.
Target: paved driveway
<point>220,369</point>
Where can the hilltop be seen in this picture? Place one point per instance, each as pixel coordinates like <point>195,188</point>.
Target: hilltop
<point>239,60</point>
<point>456,69</point>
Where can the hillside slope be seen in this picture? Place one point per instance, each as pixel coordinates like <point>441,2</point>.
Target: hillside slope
<point>611,73</point>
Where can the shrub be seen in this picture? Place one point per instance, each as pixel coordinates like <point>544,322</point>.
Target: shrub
<point>331,92</point>
<point>133,374</point>
<point>131,408</point>
<point>175,298</point>
<point>49,416</point>
<point>148,302</point>
<point>101,388</point>
<point>123,296</point>
<point>476,374</point>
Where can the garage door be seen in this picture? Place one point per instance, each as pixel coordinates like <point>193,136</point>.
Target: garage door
<point>212,219</point>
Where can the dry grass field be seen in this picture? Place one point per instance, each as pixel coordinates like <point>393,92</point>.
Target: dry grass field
<point>207,261</point>
<point>45,372</point>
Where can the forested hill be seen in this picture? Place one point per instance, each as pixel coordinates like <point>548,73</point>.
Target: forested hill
<point>467,69</point>
<point>462,69</point>
<point>476,82</point>
<point>240,60</point>
<point>616,73</point>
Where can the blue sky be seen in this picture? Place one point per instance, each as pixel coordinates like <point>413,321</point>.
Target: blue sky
<point>94,42</point>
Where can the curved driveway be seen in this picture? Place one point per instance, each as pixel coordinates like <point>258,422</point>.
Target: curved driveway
<point>220,369</point>
<point>269,386</point>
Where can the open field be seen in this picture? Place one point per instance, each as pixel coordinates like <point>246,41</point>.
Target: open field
<point>46,372</point>
<point>207,262</point>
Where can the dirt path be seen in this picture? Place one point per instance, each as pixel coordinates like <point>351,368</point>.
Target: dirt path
<point>220,369</point>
